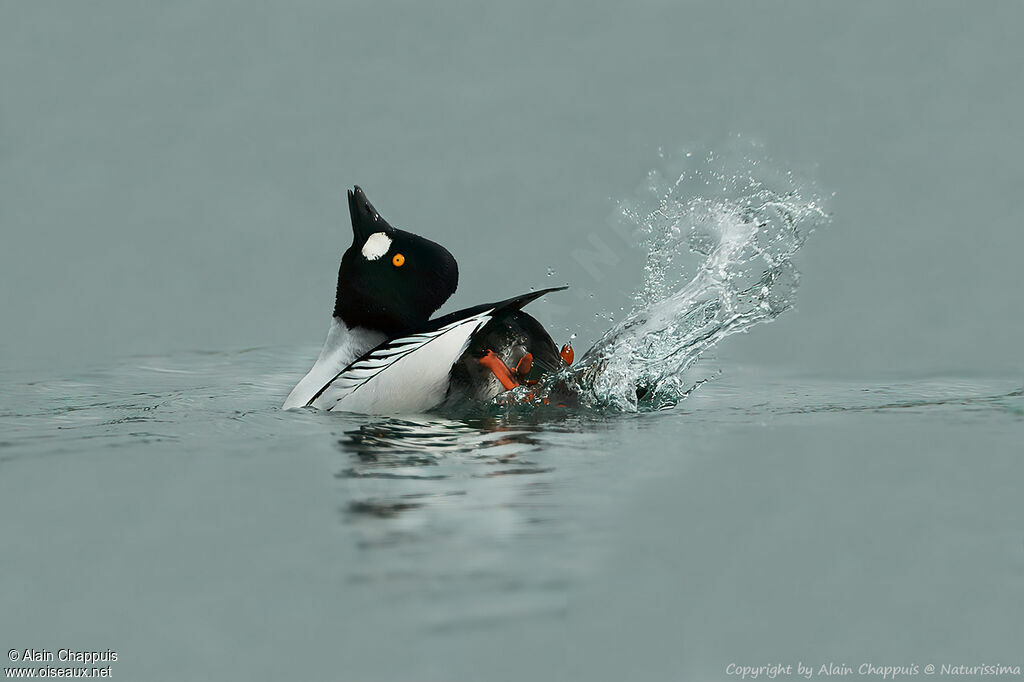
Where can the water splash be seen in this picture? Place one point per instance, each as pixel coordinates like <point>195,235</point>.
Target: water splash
<point>720,234</point>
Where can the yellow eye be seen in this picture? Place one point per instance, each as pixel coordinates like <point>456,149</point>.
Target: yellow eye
<point>398,261</point>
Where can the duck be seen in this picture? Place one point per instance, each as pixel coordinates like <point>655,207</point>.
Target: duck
<point>386,354</point>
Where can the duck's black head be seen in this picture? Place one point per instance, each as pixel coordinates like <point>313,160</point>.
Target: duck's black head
<point>390,280</point>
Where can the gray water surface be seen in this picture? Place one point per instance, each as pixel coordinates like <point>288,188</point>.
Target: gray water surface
<point>201,532</point>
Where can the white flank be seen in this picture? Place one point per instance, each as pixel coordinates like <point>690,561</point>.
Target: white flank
<point>409,374</point>
<point>343,345</point>
<point>377,244</point>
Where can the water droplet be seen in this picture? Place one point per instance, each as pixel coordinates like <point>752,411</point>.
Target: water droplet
<point>721,228</point>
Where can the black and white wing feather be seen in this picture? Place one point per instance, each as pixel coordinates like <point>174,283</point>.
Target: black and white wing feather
<point>410,373</point>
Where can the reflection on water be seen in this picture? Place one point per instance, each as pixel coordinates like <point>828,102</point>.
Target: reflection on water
<point>446,501</point>
<point>428,465</point>
<point>388,448</point>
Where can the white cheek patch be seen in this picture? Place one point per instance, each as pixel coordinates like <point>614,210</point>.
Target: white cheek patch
<point>377,244</point>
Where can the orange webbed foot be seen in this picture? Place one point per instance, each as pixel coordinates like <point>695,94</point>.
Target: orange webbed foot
<point>524,365</point>
<point>567,354</point>
<point>498,368</point>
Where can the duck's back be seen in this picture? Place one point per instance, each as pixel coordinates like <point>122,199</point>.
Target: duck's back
<point>510,335</point>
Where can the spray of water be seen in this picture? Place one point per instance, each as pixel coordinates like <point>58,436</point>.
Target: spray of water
<point>720,235</point>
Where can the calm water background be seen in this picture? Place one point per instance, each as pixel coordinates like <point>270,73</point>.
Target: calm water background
<point>171,198</point>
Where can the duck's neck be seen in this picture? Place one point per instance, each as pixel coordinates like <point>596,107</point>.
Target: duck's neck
<point>343,345</point>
